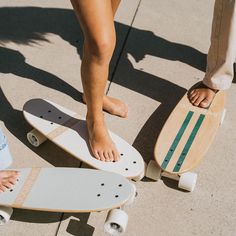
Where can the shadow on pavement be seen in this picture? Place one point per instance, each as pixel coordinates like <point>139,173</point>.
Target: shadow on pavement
<point>14,62</point>
<point>35,216</point>
<point>17,125</point>
<point>75,227</point>
<point>79,227</point>
<point>31,25</point>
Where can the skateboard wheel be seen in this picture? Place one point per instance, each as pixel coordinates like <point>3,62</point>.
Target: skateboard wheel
<point>223,117</point>
<point>153,170</point>
<point>188,181</point>
<point>116,222</point>
<point>133,195</point>
<point>5,214</point>
<point>35,138</point>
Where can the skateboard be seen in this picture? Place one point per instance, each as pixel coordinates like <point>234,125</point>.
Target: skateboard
<point>184,140</point>
<point>69,131</point>
<point>70,190</point>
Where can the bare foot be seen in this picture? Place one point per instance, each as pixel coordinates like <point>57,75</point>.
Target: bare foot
<point>7,179</point>
<point>202,96</point>
<point>101,144</point>
<point>113,106</point>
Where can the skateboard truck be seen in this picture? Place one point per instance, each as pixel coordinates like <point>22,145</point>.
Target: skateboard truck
<point>187,180</point>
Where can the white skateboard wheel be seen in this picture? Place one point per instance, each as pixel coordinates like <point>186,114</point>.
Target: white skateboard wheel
<point>133,195</point>
<point>153,170</point>
<point>5,214</point>
<point>188,181</point>
<point>116,222</point>
<point>223,117</point>
<point>35,138</point>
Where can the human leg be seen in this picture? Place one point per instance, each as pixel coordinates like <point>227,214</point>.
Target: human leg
<point>113,105</point>
<point>221,55</point>
<point>96,19</point>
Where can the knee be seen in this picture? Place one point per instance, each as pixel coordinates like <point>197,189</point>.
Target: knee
<point>101,48</point>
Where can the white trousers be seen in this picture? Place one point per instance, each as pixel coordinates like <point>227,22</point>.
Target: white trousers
<point>222,52</point>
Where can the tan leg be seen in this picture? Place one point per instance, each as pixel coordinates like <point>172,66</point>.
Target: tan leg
<point>7,179</point>
<point>96,19</point>
<point>112,105</point>
<point>115,4</point>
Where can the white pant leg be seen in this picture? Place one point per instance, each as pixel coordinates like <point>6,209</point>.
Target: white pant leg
<point>222,52</point>
<point>5,155</point>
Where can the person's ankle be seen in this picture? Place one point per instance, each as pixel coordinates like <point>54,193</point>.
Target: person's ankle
<point>202,85</point>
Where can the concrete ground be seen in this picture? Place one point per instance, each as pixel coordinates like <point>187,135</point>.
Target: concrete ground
<point>161,52</point>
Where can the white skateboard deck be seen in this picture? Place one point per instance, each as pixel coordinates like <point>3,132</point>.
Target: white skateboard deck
<point>67,190</point>
<point>70,190</point>
<point>66,129</point>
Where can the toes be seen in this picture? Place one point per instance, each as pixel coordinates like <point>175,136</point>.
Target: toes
<point>7,185</point>
<point>205,103</point>
<point>194,99</point>
<point>12,180</point>
<point>198,101</point>
<point>111,157</point>
<point>3,188</point>
<point>116,155</point>
<point>101,155</point>
<point>96,155</point>
<point>192,92</point>
<point>192,95</point>
<point>106,155</point>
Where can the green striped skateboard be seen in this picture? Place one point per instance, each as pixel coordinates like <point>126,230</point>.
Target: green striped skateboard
<point>185,139</point>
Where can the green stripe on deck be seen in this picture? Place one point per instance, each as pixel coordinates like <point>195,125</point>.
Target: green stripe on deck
<point>176,140</point>
<point>189,143</point>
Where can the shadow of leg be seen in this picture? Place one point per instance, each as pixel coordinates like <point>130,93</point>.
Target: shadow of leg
<point>80,227</point>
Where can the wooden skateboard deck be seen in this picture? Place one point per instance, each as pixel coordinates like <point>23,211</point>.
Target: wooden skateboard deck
<point>66,129</point>
<point>187,134</point>
<point>67,190</point>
